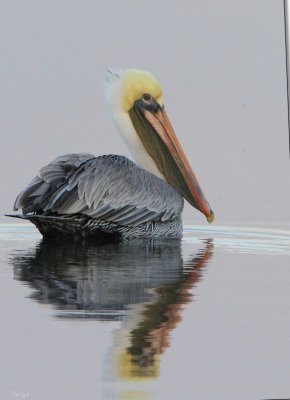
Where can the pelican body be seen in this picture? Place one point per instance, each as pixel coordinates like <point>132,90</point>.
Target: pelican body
<point>79,195</point>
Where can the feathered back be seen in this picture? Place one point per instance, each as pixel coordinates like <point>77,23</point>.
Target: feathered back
<point>108,188</point>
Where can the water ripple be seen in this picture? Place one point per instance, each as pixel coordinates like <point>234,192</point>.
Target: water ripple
<point>242,239</point>
<point>234,239</point>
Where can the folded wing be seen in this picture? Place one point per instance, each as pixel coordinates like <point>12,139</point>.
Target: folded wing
<point>107,188</point>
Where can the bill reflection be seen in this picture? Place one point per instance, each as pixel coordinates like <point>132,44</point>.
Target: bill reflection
<point>144,284</point>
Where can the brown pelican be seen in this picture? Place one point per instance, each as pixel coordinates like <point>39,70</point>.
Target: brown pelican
<point>82,195</point>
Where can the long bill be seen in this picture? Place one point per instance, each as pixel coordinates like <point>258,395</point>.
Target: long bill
<point>159,139</point>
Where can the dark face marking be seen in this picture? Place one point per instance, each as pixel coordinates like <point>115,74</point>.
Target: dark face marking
<point>148,103</point>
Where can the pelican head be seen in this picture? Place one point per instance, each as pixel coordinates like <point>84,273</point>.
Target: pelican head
<point>136,101</point>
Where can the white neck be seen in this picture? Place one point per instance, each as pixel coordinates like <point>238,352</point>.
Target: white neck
<point>122,120</point>
<point>124,124</point>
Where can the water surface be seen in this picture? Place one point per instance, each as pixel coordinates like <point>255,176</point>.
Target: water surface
<point>206,317</point>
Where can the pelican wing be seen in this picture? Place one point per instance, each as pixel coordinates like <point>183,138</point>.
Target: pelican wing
<point>108,188</point>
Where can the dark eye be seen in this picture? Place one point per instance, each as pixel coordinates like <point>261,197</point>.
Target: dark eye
<point>147,97</point>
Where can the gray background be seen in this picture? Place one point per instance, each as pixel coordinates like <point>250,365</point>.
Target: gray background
<point>222,68</point>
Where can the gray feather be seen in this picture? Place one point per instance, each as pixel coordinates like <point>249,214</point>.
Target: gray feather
<point>106,188</point>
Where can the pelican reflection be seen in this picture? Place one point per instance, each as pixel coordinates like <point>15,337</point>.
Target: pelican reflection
<point>145,284</point>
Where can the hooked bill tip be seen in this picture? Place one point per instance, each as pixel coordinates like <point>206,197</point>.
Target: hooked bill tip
<point>210,219</point>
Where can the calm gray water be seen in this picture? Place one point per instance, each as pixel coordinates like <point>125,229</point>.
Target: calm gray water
<point>204,318</point>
